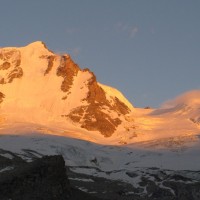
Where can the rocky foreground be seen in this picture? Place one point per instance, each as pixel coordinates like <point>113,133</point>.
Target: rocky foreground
<point>42,179</point>
<point>48,178</point>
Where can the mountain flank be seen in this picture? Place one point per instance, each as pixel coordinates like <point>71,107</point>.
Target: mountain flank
<point>35,80</point>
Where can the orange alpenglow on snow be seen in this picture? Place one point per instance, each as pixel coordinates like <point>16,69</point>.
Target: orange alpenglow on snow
<point>52,94</point>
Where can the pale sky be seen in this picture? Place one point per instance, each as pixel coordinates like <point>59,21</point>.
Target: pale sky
<point>148,49</point>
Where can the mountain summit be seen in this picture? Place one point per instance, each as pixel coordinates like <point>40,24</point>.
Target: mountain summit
<point>40,86</point>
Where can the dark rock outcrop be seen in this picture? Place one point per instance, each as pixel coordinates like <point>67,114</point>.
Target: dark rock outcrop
<point>42,179</point>
<point>15,73</point>
<point>67,69</point>
<point>50,64</point>
<point>1,97</point>
<point>93,116</point>
<point>11,62</point>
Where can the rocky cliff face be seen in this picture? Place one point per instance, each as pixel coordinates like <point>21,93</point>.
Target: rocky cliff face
<point>53,87</point>
<point>42,179</point>
<point>11,60</point>
<point>95,114</point>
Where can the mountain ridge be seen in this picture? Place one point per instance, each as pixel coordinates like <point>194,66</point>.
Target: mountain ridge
<point>50,93</point>
<point>34,78</point>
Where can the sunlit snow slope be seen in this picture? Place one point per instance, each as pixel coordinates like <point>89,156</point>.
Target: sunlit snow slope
<point>41,87</point>
<point>41,91</point>
<point>176,123</point>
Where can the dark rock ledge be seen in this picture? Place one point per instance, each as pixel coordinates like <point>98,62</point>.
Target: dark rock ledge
<point>42,179</point>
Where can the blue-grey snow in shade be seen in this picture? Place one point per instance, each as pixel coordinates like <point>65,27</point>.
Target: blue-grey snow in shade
<point>148,49</point>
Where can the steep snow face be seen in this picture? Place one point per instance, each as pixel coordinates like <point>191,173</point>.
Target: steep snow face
<point>39,86</point>
<point>113,93</point>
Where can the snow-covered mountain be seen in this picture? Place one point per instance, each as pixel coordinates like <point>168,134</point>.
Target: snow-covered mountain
<point>52,94</point>
<point>49,105</point>
<point>39,86</point>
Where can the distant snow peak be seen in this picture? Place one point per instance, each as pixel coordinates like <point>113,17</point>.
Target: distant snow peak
<point>189,98</point>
